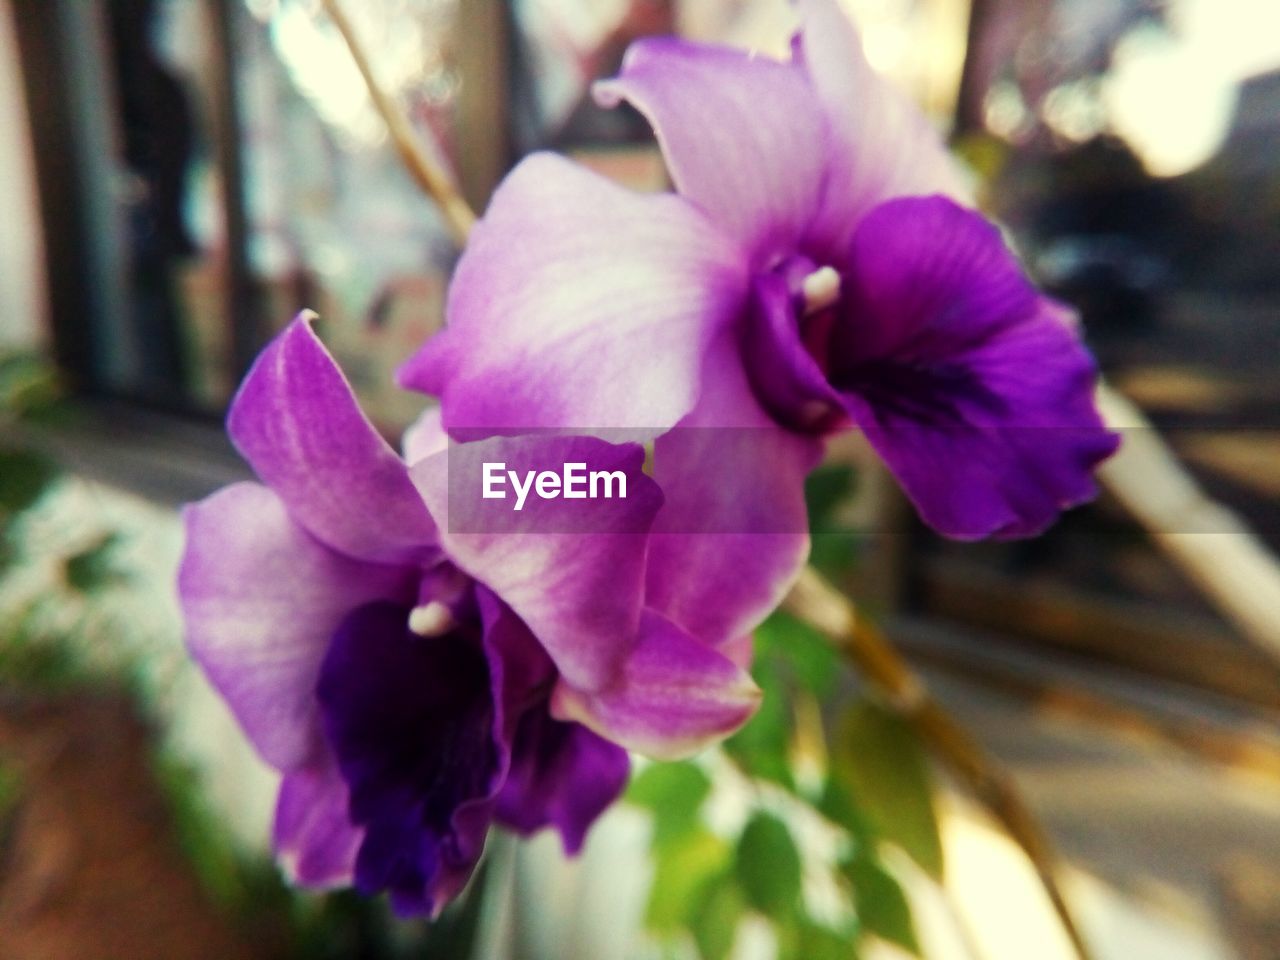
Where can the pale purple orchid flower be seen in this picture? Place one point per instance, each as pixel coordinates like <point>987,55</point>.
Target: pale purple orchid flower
<point>820,244</point>
<point>416,670</point>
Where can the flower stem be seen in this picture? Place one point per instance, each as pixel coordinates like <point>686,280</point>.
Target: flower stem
<point>435,181</point>
<point>818,603</point>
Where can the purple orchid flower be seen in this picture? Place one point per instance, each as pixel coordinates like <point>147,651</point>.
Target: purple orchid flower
<point>821,246</point>
<point>417,669</point>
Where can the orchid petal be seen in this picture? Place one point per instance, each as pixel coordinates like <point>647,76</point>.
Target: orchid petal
<point>562,775</point>
<point>578,304</point>
<point>556,774</point>
<point>882,145</point>
<point>742,135</point>
<point>410,720</point>
<point>261,599</point>
<point>297,422</point>
<point>519,669</point>
<point>572,570</point>
<point>739,650</point>
<point>425,436</point>
<point>969,384</point>
<point>786,377</point>
<point>733,531</point>
<point>314,838</point>
<point>674,697</point>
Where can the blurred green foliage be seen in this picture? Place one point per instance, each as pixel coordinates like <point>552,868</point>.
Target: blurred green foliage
<point>768,868</point>
<point>98,566</point>
<point>29,388</point>
<point>24,478</point>
<point>882,906</point>
<point>674,790</point>
<point>878,766</point>
<point>834,544</point>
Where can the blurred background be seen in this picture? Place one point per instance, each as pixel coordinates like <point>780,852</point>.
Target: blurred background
<point>179,177</point>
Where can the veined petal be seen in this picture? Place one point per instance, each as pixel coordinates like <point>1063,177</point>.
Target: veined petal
<point>314,838</point>
<point>674,697</point>
<point>970,385</point>
<point>261,599</point>
<point>571,569</point>
<point>579,304</point>
<point>742,135</point>
<point>733,529</point>
<point>297,422</point>
<point>882,144</point>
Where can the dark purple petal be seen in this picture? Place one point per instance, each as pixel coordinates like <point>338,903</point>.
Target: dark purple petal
<point>882,146</point>
<point>969,384</point>
<point>296,421</point>
<point>521,674</point>
<point>563,776</point>
<point>742,135</point>
<point>579,304</point>
<point>261,598</point>
<point>314,838</point>
<point>733,531</point>
<point>410,721</point>
<point>674,697</point>
<point>572,570</point>
<point>786,376</point>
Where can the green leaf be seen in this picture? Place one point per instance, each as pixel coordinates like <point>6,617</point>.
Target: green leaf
<point>32,657</point>
<point>835,552</point>
<point>806,939</point>
<point>883,908</point>
<point>824,490</point>
<point>28,384</point>
<point>878,760</point>
<point>810,658</point>
<point>25,476</point>
<point>768,867</point>
<point>838,806</point>
<point>790,654</point>
<point>208,848</point>
<point>682,871</point>
<point>834,547</point>
<point>820,943</point>
<point>674,793</point>
<point>715,925</point>
<point>760,748</point>
<point>97,567</point>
